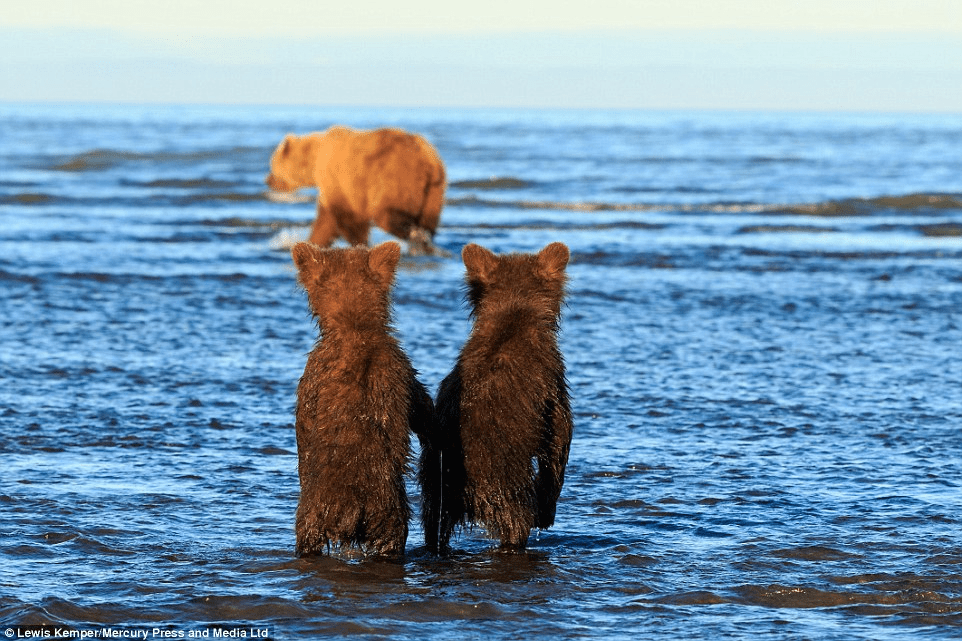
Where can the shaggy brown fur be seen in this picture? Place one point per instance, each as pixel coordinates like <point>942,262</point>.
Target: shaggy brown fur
<point>503,411</point>
<point>356,402</point>
<point>387,177</point>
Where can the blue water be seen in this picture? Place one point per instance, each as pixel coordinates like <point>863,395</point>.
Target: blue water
<point>762,336</point>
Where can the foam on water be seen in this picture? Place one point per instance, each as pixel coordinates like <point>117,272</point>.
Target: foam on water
<point>286,238</point>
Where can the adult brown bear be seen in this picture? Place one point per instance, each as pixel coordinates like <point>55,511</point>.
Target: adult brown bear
<point>388,177</point>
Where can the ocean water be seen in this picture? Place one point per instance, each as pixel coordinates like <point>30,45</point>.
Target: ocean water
<point>762,334</point>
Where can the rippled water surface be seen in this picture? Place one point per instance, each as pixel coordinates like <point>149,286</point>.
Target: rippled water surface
<point>762,335</point>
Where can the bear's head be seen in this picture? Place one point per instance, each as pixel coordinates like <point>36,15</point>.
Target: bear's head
<point>292,164</point>
<point>532,281</point>
<point>348,288</point>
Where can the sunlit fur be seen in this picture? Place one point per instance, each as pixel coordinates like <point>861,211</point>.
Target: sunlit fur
<point>386,177</point>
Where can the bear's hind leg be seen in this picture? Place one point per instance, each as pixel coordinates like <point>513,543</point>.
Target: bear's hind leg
<point>392,545</point>
<point>406,227</point>
<point>403,225</point>
<point>388,535</point>
<point>396,222</point>
<point>511,520</point>
<point>310,535</point>
<point>514,538</point>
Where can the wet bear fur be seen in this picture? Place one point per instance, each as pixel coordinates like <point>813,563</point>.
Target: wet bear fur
<point>503,412</point>
<point>386,177</point>
<point>357,402</point>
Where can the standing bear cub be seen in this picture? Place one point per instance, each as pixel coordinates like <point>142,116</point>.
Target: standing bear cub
<point>387,177</point>
<point>357,401</point>
<point>504,415</point>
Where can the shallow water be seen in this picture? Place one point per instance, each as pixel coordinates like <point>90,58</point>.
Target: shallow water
<point>762,336</point>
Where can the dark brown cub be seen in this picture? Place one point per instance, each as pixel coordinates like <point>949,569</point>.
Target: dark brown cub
<point>504,412</point>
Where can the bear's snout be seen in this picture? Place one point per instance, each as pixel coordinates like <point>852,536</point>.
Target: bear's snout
<point>277,184</point>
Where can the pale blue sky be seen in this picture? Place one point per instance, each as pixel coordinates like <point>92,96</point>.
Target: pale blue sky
<point>890,55</point>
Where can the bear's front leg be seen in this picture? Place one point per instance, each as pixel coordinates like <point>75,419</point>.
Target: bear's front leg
<point>324,230</point>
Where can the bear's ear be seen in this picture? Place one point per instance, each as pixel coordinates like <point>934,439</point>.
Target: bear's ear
<point>285,148</point>
<point>306,257</point>
<point>552,261</point>
<point>383,260</point>
<point>480,262</point>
